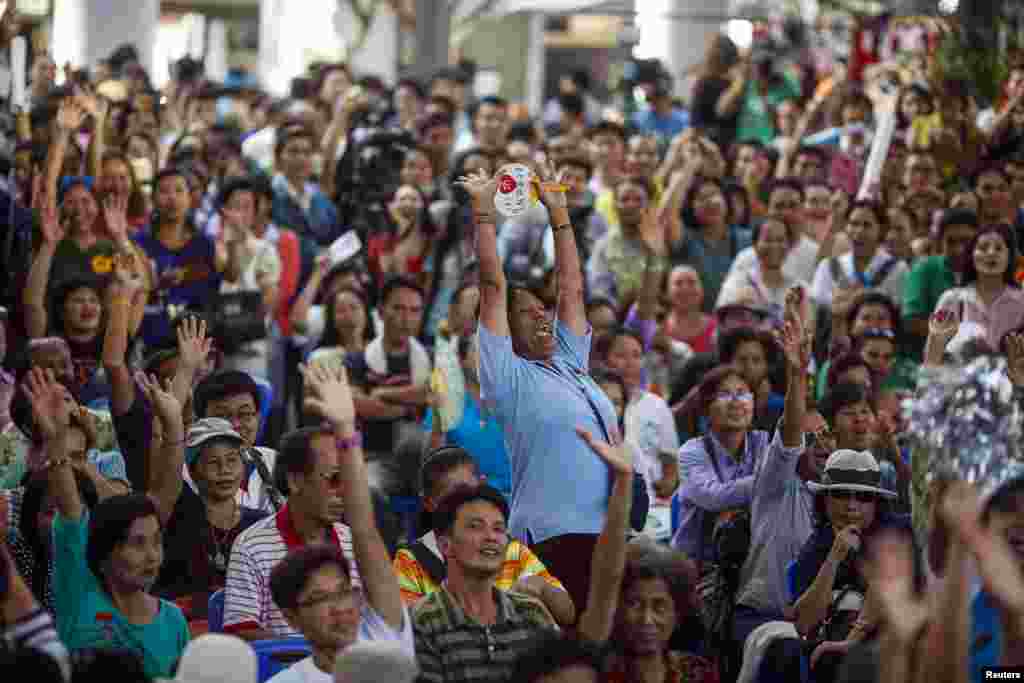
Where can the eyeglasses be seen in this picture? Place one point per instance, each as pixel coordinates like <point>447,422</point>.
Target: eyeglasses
<point>240,416</point>
<point>859,496</point>
<point>824,437</point>
<point>731,396</point>
<point>345,599</point>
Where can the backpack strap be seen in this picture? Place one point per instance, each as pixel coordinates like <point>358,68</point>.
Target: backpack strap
<point>431,563</point>
<point>836,271</point>
<point>883,272</point>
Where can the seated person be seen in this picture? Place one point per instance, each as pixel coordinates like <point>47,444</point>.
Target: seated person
<point>421,568</point>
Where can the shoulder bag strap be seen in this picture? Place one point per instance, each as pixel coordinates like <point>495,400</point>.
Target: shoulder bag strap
<point>430,562</point>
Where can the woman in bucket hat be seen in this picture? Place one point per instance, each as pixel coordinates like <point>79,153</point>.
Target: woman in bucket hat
<point>828,581</point>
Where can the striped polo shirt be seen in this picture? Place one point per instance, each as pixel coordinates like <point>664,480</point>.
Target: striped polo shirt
<point>257,550</point>
<point>452,647</point>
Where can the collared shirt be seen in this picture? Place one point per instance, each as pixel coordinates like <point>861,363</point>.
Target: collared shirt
<point>652,427</point>
<point>1004,314</point>
<point>703,492</point>
<point>257,550</point>
<point>539,406</point>
<point>926,282</point>
<point>711,260</point>
<point>750,288</point>
<point>415,582</point>
<point>800,264</point>
<point>891,285</point>
<point>452,647</point>
<point>781,521</point>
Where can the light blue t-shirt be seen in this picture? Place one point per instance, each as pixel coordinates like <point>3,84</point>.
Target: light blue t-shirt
<point>86,618</point>
<point>559,486</point>
<point>481,435</point>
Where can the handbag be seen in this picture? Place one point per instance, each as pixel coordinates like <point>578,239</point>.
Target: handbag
<point>236,318</point>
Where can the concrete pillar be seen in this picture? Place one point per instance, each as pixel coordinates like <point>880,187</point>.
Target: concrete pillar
<point>86,31</point>
<point>294,34</point>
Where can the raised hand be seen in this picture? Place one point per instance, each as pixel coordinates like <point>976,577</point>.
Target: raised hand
<point>51,409</point>
<point>618,457</point>
<point>193,345</point>
<point>846,541</point>
<point>890,570</point>
<point>943,325</point>
<point>87,421</point>
<point>550,188</point>
<point>481,187</point>
<point>795,343</point>
<point>1015,358</point>
<point>330,395</point>
<point>165,404</point>
<point>652,233</point>
<point>50,227</point>
<point>115,215</point>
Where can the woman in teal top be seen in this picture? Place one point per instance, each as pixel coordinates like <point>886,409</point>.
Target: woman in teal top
<point>106,560</point>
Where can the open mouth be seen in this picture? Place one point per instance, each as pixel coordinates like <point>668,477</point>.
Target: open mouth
<point>491,552</point>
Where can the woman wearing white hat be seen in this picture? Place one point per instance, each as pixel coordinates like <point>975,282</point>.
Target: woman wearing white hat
<point>831,610</point>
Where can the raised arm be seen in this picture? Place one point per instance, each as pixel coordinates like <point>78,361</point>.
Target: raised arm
<point>51,413</point>
<point>167,460</point>
<point>34,296</point>
<point>69,119</point>
<point>568,269</point>
<point>655,238</point>
<point>115,347</point>
<point>942,327</point>
<point>796,345</point>
<point>330,398</point>
<point>609,562</point>
<point>812,606</point>
<point>131,262</point>
<point>193,349</point>
<point>493,287</point>
<point>672,200</point>
<point>98,108</point>
<point>300,309</point>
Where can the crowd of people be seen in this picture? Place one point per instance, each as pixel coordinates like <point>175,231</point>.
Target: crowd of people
<point>281,377</point>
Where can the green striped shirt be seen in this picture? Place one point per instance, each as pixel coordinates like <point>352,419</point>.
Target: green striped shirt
<point>452,647</point>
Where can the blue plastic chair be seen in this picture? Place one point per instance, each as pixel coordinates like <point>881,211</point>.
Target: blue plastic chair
<point>791,581</point>
<point>215,612</point>
<point>266,390</point>
<point>676,511</point>
<point>276,655</point>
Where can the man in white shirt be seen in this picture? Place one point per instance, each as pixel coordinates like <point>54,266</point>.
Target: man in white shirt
<point>312,586</point>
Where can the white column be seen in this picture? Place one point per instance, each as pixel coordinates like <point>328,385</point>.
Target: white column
<point>86,31</point>
<point>677,32</point>
<point>293,34</point>
<point>535,63</point>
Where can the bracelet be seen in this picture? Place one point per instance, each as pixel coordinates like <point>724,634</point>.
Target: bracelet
<point>563,226</point>
<point>350,443</point>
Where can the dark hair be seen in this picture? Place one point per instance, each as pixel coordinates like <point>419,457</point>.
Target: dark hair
<point>109,524</point>
<point>66,289</point>
<point>393,284</point>
<point>330,336</point>
<point>551,652</point>
<point>874,207</point>
<point>222,384</point>
<point>687,212</point>
<point>492,100</point>
<point>440,462</point>
<point>875,298</point>
<point>288,134</point>
<point>674,568</point>
<point>733,189</point>
<point>817,152</point>
<point>136,199</point>
<point>458,169</point>
<point>603,345</point>
<point>290,576</point>
<point>1004,500</point>
<point>23,663</point>
<point>605,376</point>
<point>713,380</point>
<point>951,217</point>
<point>842,396</point>
<point>571,103</point>
<point>106,664</point>
<point>172,172</point>
<point>448,509</point>
<point>844,363</point>
<point>729,343</point>
<point>786,184</point>
<point>257,184</point>
<point>577,161</point>
<point>1004,231</point>
<point>601,301</point>
<point>295,455</point>
<point>608,128</point>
